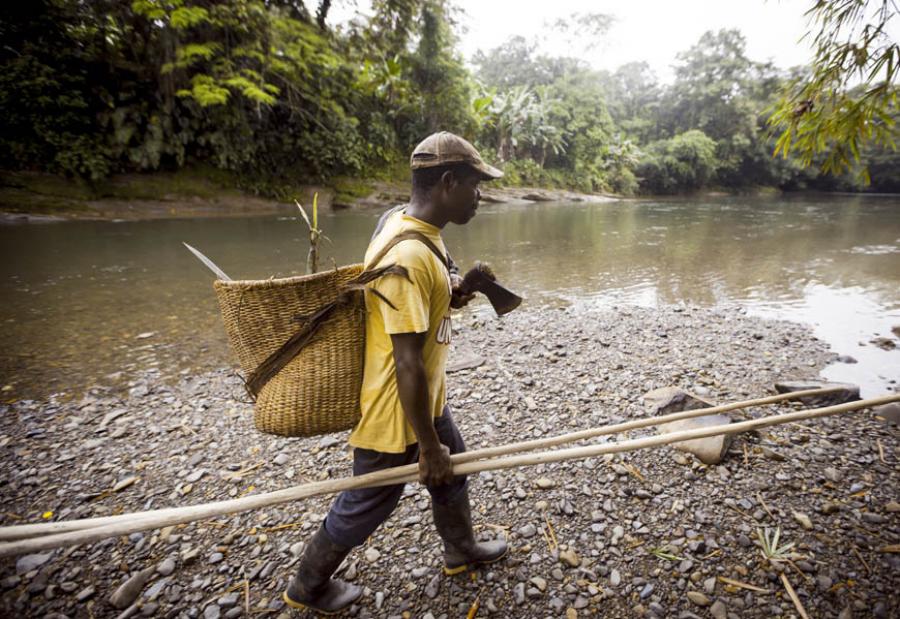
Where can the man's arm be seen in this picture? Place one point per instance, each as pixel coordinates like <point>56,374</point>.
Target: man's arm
<point>435,468</point>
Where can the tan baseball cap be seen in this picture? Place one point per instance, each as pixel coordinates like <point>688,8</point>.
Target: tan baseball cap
<point>445,148</point>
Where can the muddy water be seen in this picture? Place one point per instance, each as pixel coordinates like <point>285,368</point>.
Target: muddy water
<point>87,303</point>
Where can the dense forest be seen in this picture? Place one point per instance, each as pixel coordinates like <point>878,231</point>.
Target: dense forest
<point>274,94</point>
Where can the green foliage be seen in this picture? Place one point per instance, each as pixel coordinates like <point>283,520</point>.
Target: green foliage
<point>849,98</point>
<point>686,162</point>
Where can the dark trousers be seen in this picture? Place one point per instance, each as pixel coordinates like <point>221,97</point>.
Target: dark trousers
<point>355,514</point>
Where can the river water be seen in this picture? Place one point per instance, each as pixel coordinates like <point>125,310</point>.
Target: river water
<point>88,303</point>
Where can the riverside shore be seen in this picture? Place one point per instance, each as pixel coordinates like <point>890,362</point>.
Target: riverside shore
<point>651,533</point>
<point>43,198</point>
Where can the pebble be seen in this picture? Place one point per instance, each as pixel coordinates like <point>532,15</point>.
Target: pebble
<point>833,475</point>
<point>718,610</point>
<point>129,590</point>
<point>31,562</point>
<point>372,554</point>
<point>212,612</point>
<point>569,557</point>
<point>85,594</point>
<point>544,483</point>
<point>804,520</point>
<point>166,567</point>
<point>539,582</point>
<point>529,530</point>
<point>615,579</point>
<point>281,459</point>
<point>698,598</point>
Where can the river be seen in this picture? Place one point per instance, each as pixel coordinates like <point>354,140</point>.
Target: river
<point>88,303</point>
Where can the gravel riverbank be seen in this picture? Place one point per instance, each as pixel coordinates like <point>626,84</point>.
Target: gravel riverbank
<point>647,534</point>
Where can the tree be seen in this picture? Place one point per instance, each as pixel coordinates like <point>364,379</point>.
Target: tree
<point>849,96</point>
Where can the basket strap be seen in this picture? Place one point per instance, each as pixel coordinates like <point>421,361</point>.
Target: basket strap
<point>411,235</point>
<point>275,362</point>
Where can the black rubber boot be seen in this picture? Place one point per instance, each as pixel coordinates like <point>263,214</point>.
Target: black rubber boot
<point>313,587</point>
<point>454,524</point>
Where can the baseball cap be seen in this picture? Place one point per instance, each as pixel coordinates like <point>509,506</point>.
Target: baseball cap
<point>445,148</point>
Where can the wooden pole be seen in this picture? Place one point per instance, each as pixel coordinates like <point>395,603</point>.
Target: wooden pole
<point>46,528</point>
<point>150,520</point>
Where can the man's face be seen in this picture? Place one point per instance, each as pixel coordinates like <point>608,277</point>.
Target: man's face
<point>460,196</point>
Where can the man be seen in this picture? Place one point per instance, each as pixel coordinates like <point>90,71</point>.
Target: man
<point>405,417</point>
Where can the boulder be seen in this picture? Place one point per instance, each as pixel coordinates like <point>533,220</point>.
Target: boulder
<point>848,393</point>
<point>710,450</point>
<point>889,412</point>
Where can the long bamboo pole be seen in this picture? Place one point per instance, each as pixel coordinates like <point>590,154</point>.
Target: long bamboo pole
<point>198,512</point>
<point>24,531</point>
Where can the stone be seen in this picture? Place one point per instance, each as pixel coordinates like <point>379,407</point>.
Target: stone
<point>848,392</point>
<point>544,483</point>
<point>212,612</point>
<point>216,557</point>
<point>804,520</point>
<point>615,579</point>
<point>889,412</point>
<point>892,508</point>
<point>281,459</point>
<point>846,359</point>
<point>529,530</point>
<point>229,599</point>
<point>468,362</point>
<point>31,562</point>
<point>698,598</point>
<point>646,591</point>
<point>539,582</point>
<point>569,557</point>
<point>519,593</point>
<point>718,610</point>
<point>710,450</point>
<point>433,587</point>
<point>128,591</point>
<point>372,554</point>
<point>884,343</point>
<point>833,475</point>
<point>166,567</point>
<point>85,594</point>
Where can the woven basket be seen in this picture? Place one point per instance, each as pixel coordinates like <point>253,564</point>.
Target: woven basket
<point>317,391</point>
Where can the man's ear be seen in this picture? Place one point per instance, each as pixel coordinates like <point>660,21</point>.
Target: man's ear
<point>448,179</point>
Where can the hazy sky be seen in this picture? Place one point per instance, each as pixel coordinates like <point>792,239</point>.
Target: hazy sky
<point>651,30</point>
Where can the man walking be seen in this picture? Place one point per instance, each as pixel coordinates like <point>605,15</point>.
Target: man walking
<point>405,417</point>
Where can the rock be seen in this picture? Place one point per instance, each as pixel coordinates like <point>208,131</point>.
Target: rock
<point>804,520</point>
<point>129,590</point>
<point>846,359</point>
<point>281,459</point>
<point>544,483</point>
<point>873,518</point>
<point>718,610</point>
<point>216,557</point>
<point>537,197</point>
<point>31,562</point>
<point>848,392</point>
<point>896,330</point>
<point>468,362</point>
<point>698,598</point>
<point>166,567</point>
<point>329,441</point>
<point>539,582</point>
<point>884,343</point>
<point>372,555</point>
<point>892,508</point>
<point>569,557</point>
<point>646,591</point>
<point>668,400</point>
<point>833,475</point>
<point>85,594</point>
<point>519,593</point>
<point>529,530</point>
<point>229,599</point>
<point>212,612</point>
<point>615,579</point>
<point>889,412</point>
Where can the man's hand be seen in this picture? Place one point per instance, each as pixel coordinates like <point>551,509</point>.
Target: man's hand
<point>459,294</point>
<point>435,467</point>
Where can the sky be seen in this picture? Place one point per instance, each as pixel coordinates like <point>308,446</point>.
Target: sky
<point>650,30</point>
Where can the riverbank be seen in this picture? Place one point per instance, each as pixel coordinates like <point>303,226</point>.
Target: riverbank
<point>41,198</point>
<point>646,534</point>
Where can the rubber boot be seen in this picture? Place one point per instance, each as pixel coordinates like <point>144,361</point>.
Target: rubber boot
<point>454,524</point>
<point>313,587</point>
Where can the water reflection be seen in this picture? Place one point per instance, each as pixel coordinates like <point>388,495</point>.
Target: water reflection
<point>77,295</point>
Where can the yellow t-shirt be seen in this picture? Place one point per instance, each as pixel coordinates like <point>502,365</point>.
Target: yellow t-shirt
<point>423,305</point>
